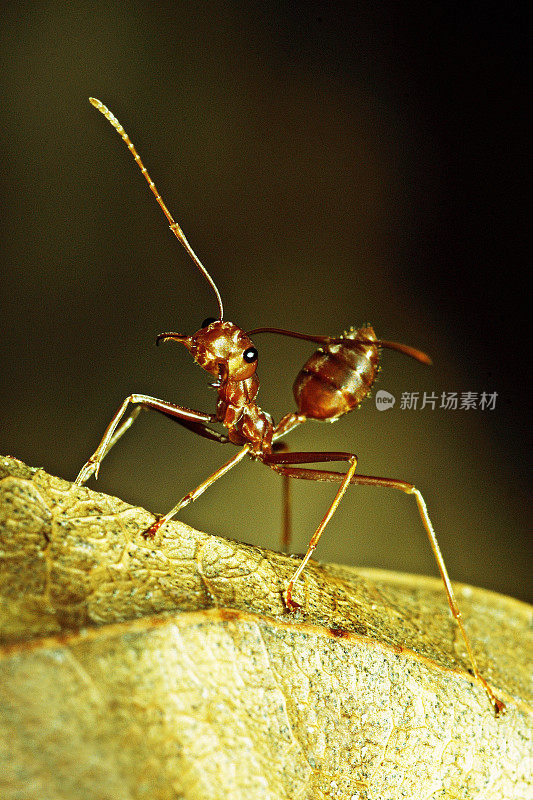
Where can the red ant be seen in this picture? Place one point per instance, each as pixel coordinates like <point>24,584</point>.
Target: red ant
<point>335,380</point>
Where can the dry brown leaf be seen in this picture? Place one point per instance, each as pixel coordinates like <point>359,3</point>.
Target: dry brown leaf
<point>172,670</point>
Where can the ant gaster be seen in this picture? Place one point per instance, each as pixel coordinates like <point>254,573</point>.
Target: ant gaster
<point>336,378</point>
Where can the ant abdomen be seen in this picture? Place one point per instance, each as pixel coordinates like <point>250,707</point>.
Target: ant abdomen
<point>338,376</point>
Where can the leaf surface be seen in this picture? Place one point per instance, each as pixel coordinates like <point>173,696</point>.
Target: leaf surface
<point>171,669</point>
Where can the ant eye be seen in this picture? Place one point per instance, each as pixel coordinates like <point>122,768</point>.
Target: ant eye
<point>250,355</point>
<point>208,321</point>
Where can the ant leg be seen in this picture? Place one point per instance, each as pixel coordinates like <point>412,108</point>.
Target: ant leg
<point>126,425</point>
<point>497,704</point>
<point>275,461</point>
<point>287,424</point>
<point>192,496</point>
<point>195,427</point>
<point>408,488</point>
<point>186,415</point>
<point>286,529</point>
<point>284,426</point>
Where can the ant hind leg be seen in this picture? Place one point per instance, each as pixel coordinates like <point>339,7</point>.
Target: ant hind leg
<point>407,488</point>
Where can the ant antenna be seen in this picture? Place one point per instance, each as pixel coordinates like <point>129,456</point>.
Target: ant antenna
<point>174,227</point>
<point>401,348</point>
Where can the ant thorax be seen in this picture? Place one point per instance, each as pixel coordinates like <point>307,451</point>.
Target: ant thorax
<point>245,421</point>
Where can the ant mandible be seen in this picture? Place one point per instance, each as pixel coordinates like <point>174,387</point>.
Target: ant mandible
<point>335,380</point>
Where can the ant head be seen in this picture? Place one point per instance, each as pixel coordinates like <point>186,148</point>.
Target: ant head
<point>221,348</point>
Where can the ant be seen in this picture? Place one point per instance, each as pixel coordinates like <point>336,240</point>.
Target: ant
<point>334,381</point>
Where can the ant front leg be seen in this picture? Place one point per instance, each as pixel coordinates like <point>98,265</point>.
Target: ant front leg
<point>277,462</point>
<point>194,419</point>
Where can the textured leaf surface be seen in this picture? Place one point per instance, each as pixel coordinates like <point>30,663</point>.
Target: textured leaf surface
<point>172,670</point>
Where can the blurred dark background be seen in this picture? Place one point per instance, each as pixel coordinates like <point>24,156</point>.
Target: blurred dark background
<point>331,164</point>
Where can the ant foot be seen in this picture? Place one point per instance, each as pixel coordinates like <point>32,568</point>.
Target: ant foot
<point>91,467</point>
<point>291,604</point>
<point>499,707</point>
<point>152,530</point>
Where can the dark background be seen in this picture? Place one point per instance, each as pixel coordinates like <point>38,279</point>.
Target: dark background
<point>331,164</point>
